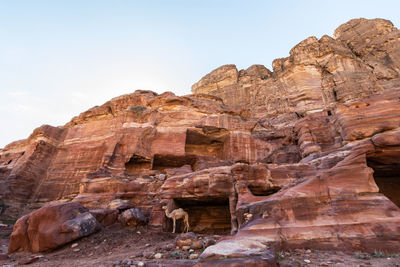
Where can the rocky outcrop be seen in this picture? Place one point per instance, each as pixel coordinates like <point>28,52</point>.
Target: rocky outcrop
<point>375,42</point>
<point>337,208</point>
<point>362,59</point>
<point>304,156</point>
<point>52,226</point>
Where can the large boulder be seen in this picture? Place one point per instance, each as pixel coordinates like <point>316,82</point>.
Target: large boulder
<point>105,217</point>
<point>52,226</point>
<point>132,217</point>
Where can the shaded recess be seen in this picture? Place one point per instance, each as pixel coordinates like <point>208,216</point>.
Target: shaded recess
<point>137,164</point>
<point>260,191</point>
<point>163,162</point>
<point>206,215</point>
<point>386,166</point>
<point>206,141</point>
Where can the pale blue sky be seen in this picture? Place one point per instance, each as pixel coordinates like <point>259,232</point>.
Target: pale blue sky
<point>59,58</point>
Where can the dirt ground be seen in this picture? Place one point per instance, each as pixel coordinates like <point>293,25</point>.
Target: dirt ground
<point>307,257</point>
<point>108,247</point>
<point>127,247</point>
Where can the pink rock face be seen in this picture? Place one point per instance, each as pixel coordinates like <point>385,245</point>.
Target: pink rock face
<point>363,58</point>
<point>339,208</point>
<point>304,156</point>
<point>52,226</point>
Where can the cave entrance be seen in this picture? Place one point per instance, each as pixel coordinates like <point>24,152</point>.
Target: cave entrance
<point>137,164</point>
<point>206,215</point>
<point>206,141</point>
<point>164,162</point>
<point>386,166</point>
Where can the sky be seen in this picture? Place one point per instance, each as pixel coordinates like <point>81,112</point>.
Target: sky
<point>59,58</point>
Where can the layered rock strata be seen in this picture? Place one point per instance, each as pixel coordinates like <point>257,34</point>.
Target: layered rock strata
<point>304,156</point>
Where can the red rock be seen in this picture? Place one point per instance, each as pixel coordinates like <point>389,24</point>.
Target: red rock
<point>105,217</point>
<point>28,261</point>
<point>120,204</point>
<point>132,217</point>
<point>322,207</point>
<point>196,245</point>
<point>310,150</point>
<point>223,76</point>
<point>362,59</point>
<point>51,226</point>
<point>4,256</point>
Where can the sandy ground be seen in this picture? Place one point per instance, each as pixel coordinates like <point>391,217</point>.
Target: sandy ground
<point>123,247</point>
<point>303,257</point>
<point>106,248</point>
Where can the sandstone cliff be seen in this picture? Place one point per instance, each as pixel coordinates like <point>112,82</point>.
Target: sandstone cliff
<point>311,150</point>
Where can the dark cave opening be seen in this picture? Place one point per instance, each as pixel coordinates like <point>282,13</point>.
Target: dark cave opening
<point>163,162</point>
<point>137,164</point>
<point>386,166</point>
<point>335,95</point>
<point>206,215</point>
<point>207,141</point>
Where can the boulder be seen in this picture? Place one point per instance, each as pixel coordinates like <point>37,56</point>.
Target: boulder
<point>132,217</point>
<point>197,244</point>
<point>185,239</point>
<point>105,217</point>
<point>52,226</point>
<point>120,204</point>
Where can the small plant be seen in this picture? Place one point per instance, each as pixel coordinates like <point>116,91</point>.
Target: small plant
<point>8,221</point>
<point>378,254</point>
<point>137,109</point>
<point>358,255</point>
<point>280,255</point>
<point>362,256</point>
<point>174,256</point>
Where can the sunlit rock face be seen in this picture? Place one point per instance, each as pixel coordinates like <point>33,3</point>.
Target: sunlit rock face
<point>304,156</point>
<point>362,59</point>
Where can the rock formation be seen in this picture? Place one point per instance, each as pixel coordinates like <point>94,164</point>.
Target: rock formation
<point>52,226</point>
<point>304,156</point>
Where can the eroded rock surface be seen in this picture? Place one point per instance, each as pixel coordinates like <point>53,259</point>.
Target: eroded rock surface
<point>304,156</point>
<point>132,217</point>
<point>52,226</point>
